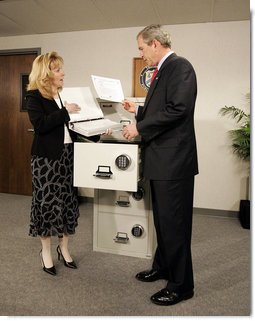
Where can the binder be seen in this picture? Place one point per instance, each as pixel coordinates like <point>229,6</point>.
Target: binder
<point>90,120</point>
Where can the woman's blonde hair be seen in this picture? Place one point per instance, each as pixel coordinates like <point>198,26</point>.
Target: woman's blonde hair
<point>41,75</point>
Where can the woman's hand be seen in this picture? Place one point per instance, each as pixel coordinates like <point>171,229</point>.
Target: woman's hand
<point>72,108</point>
<point>108,131</point>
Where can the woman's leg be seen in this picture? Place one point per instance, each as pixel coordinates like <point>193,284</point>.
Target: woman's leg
<point>63,244</point>
<point>46,251</point>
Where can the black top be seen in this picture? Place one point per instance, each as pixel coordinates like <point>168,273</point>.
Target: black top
<point>48,121</point>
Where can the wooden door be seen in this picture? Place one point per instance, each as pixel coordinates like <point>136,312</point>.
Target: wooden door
<point>15,137</point>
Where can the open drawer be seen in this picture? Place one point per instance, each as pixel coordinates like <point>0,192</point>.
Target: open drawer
<point>106,166</point>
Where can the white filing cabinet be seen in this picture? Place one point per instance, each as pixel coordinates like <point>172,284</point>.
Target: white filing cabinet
<point>123,221</point>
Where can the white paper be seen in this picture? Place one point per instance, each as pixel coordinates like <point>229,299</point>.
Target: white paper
<point>108,88</point>
<point>83,97</point>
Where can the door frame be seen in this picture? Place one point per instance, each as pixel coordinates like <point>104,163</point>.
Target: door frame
<point>21,51</point>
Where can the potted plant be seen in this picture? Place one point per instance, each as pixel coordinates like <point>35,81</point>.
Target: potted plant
<point>241,147</point>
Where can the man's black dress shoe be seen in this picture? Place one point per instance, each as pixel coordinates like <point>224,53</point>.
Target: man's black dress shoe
<point>166,297</point>
<point>149,275</point>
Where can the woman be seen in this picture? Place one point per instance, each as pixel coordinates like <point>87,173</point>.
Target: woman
<point>54,210</point>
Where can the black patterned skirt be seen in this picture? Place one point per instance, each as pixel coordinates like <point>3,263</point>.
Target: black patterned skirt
<point>55,208</point>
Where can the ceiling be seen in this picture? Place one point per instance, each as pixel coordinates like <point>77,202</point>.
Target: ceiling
<point>29,17</point>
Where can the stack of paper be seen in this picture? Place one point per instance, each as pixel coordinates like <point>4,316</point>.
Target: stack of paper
<point>94,127</point>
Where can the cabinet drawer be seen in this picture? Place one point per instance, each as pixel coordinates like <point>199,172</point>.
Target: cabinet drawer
<point>129,203</point>
<point>113,234</point>
<point>99,165</point>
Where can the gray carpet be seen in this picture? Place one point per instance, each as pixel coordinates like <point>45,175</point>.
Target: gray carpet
<point>104,284</point>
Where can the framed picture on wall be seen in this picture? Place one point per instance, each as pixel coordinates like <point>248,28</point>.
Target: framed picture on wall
<point>142,77</point>
<point>23,89</point>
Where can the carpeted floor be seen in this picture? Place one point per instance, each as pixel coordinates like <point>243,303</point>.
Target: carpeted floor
<point>104,284</point>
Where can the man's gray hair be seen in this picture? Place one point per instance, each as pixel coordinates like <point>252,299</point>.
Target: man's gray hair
<point>154,31</point>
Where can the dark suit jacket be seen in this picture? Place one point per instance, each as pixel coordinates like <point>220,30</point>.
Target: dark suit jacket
<point>166,122</point>
<point>48,121</point>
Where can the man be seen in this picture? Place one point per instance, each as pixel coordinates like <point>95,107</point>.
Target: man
<point>169,160</point>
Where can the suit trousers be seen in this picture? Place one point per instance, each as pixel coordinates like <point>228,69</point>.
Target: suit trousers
<point>172,204</point>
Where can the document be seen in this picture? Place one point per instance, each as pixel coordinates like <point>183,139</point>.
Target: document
<point>108,88</point>
<point>83,97</point>
<point>90,120</point>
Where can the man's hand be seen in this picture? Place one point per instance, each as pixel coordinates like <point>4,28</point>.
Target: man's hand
<point>129,106</point>
<point>130,132</point>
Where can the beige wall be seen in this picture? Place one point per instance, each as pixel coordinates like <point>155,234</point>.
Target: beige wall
<point>220,54</point>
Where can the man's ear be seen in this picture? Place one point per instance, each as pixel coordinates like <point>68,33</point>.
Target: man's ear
<point>155,43</point>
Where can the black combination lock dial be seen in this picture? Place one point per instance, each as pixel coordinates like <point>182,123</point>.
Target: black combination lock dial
<point>137,230</point>
<point>139,194</point>
<point>123,161</point>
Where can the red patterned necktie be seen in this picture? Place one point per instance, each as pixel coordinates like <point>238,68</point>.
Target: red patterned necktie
<point>154,74</point>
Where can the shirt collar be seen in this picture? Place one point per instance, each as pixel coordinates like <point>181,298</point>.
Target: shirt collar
<point>164,58</point>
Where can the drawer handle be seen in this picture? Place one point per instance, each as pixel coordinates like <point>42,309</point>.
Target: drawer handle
<point>125,121</point>
<point>121,237</point>
<point>103,172</point>
<point>123,201</point>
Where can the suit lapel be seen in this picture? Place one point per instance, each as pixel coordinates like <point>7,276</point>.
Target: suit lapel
<point>155,81</point>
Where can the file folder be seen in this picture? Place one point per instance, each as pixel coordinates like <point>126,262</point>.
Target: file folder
<point>90,120</point>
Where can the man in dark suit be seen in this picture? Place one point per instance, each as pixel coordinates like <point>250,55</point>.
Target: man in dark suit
<point>169,161</point>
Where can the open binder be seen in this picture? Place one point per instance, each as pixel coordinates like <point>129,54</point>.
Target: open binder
<point>90,120</point>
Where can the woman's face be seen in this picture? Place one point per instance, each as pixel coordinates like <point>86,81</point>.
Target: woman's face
<point>58,76</point>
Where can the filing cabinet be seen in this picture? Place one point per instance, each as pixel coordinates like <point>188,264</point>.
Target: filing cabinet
<point>122,218</point>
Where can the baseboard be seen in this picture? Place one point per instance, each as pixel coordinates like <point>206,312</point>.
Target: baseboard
<point>213,212</point>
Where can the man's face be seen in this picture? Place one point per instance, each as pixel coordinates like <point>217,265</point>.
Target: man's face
<point>147,52</point>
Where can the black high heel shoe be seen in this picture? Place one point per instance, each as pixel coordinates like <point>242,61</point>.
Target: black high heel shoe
<point>51,270</point>
<point>71,265</point>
